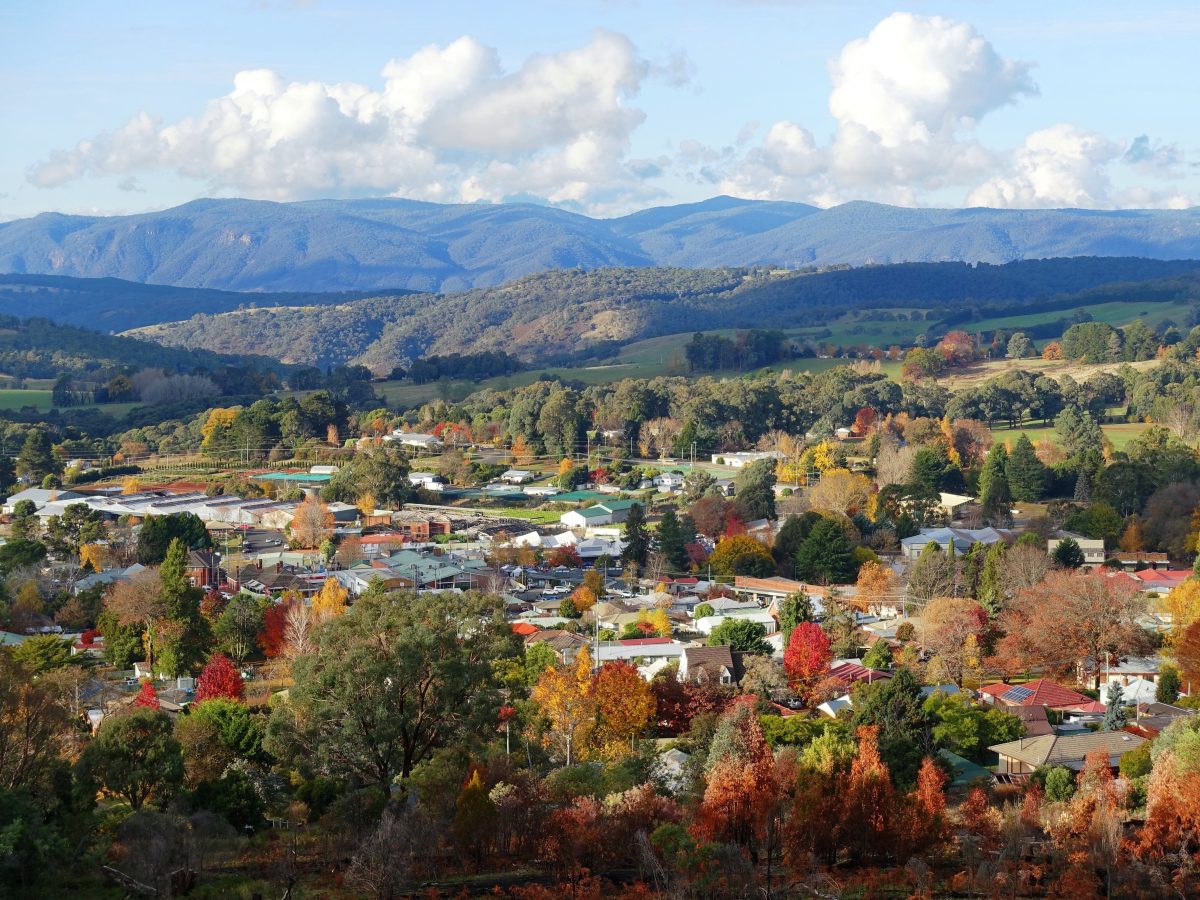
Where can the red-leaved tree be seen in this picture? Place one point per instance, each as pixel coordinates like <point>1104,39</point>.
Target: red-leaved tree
<point>147,696</point>
<point>220,679</point>
<point>273,637</point>
<point>807,657</point>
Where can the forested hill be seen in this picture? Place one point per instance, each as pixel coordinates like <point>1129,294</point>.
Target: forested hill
<point>110,304</point>
<point>562,313</point>
<point>370,245</point>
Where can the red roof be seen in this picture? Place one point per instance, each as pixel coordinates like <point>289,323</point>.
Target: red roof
<point>1037,693</point>
<point>524,628</point>
<point>1092,706</point>
<point>641,642</point>
<point>849,673</point>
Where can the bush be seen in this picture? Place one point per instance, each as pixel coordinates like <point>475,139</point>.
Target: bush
<point>1060,784</point>
<point>1136,762</point>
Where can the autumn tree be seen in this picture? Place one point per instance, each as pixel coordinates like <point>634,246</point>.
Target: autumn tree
<point>1182,604</point>
<point>271,638</point>
<point>312,523</point>
<point>950,630</point>
<point>869,811</point>
<point>625,706</point>
<point>330,602</point>
<point>1187,653</point>
<point>219,678</point>
<point>564,698</point>
<point>877,586</point>
<point>147,697</point>
<point>807,657</point>
<point>1073,619</point>
<point>741,555</point>
<point>840,491</point>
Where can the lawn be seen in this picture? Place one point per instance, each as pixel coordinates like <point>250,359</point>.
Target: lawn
<point>16,399</point>
<point>1120,433</point>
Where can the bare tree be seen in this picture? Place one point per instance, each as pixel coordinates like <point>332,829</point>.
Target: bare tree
<point>893,463</point>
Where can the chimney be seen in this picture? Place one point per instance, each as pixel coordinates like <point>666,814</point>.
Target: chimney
<point>279,566</point>
<point>259,563</point>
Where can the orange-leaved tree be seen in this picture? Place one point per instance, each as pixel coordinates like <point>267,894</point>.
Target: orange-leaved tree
<point>563,695</point>
<point>625,706</point>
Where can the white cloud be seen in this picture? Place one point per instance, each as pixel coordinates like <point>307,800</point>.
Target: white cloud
<point>448,123</point>
<point>1058,166</point>
<point>902,98</point>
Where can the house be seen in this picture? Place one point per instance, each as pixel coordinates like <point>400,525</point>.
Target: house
<point>964,774</point>
<point>39,497</point>
<point>850,673</point>
<point>670,769</point>
<point>427,481</point>
<point>639,648</point>
<point>744,458</point>
<point>322,470</point>
<point>565,644</point>
<point>1161,581</point>
<point>765,590</point>
<point>1035,693</point>
<point>203,568</point>
<point>1034,719</point>
<point>1152,718</point>
<point>415,440</point>
<point>962,539</point>
<point>1140,559</point>
<point>607,513</point>
<point>516,476</point>
<point>669,482</point>
<point>953,505</point>
<point>1022,756</point>
<point>108,576</point>
<point>1093,548</point>
<point>719,665</point>
<point>708,624</point>
<point>1126,671</point>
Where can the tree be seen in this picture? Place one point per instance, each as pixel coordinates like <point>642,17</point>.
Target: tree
<point>807,658</point>
<point>879,656</point>
<point>238,626</point>
<point>1187,653</point>
<point>1167,688</point>
<point>43,653</point>
<point>474,815</point>
<point>1018,345</point>
<point>1182,604</point>
<point>741,783</point>
<point>825,556</point>
<point>995,495</point>
<point>312,523</point>
<point>625,706</point>
<point>896,707</point>
<point>330,601</point>
<point>740,635</point>
<point>741,554</point>
<point>36,459</point>
<point>932,574</point>
<point>1073,619</point>
<point>755,491</point>
<point>563,695</point>
<point>870,802</point>
<point>381,472</point>
<point>147,697</point>
<point>967,728</point>
<point>1026,473</point>
<point>1068,554</point>
<point>637,537</point>
<point>271,638</point>
<point>392,680</point>
<point>135,757</point>
<point>877,586</point>
<point>841,491</point>
<point>672,542</point>
<point>794,609</point>
<point>157,532</point>
<point>219,678</point>
<point>1115,717</point>
<point>947,625</point>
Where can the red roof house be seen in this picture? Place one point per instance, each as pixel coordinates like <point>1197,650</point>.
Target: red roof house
<point>849,673</point>
<point>524,628</point>
<point>1035,693</point>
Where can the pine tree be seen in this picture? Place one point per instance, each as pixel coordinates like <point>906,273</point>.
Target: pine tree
<point>1115,717</point>
<point>825,556</point>
<point>671,542</point>
<point>1068,554</point>
<point>1026,474</point>
<point>1167,689</point>
<point>1083,487</point>
<point>990,592</point>
<point>36,459</point>
<point>637,537</point>
<point>995,497</point>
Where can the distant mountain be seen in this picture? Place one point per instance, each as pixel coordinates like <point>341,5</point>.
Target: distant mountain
<point>371,245</point>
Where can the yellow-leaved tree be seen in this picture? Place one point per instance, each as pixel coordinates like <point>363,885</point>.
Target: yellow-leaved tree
<point>94,555</point>
<point>625,707</point>
<point>331,601</point>
<point>1182,604</point>
<point>563,695</point>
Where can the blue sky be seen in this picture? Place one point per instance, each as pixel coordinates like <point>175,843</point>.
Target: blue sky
<point>598,106</point>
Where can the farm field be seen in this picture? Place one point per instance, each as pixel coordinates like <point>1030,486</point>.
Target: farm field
<point>11,399</point>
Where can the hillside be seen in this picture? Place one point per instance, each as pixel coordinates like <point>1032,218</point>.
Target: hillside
<point>554,316</point>
<point>110,304</point>
<point>373,245</point>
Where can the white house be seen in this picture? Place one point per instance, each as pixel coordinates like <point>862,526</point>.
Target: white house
<point>39,497</point>
<point>414,439</point>
<point>961,538</point>
<point>516,476</point>
<point>605,513</point>
<point>1093,548</point>
<point>669,482</point>
<point>427,481</point>
<point>744,458</point>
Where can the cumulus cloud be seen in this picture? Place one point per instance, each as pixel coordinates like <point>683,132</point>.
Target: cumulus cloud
<point>1057,166</point>
<point>447,123</point>
<point>902,98</point>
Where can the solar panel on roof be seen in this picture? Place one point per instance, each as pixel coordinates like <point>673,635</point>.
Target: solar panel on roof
<point>1017,694</point>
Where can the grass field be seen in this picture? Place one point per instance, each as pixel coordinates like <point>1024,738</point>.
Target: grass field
<point>1119,434</point>
<point>15,399</point>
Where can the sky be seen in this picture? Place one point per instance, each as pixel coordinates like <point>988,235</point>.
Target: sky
<point>598,106</point>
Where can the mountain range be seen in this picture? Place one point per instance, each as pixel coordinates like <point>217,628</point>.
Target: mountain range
<point>395,245</point>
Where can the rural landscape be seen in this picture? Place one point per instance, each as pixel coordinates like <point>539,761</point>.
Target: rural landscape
<point>441,490</point>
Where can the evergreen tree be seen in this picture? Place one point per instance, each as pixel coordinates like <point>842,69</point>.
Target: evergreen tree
<point>791,535</point>
<point>186,634</point>
<point>1068,554</point>
<point>995,497</point>
<point>756,491</point>
<point>1167,689</point>
<point>36,460</point>
<point>637,537</point>
<point>671,541</point>
<point>825,557</point>
<point>1083,487</point>
<point>796,608</point>
<point>1026,474</point>
<point>1115,717</point>
<point>990,591</point>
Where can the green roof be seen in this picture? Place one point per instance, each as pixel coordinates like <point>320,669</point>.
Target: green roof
<point>593,512</point>
<point>578,496</point>
<point>619,504</point>
<point>965,772</point>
